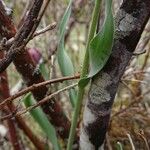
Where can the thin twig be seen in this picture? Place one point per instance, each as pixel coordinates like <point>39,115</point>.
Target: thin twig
<point>38,103</point>
<point>145,60</point>
<point>38,143</point>
<point>125,84</point>
<point>35,86</point>
<point>139,53</point>
<point>135,73</point>
<point>25,32</point>
<point>25,12</point>
<point>47,28</point>
<point>131,142</point>
<point>41,13</point>
<point>56,116</point>
<point>131,104</point>
<point>141,134</point>
<point>4,46</point>
<point>134,80</point>
<point>11,124</point>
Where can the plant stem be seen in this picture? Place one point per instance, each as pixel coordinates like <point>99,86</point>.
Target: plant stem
<point>84,72</point>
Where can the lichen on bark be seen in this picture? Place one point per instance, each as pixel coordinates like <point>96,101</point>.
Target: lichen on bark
<point>130,22</point>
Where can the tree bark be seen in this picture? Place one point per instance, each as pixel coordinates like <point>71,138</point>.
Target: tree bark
<point>12,123</point>
<point>12,127</point>
<point>30,74</point>
<point>130,22</point>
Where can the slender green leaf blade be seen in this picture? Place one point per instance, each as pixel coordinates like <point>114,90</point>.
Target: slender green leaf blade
<point>64,21</point>
<point>67,69</point>
<point>64,61</point>
<point>100,46</point>
<point>119,146</point>
<point>43,122</point>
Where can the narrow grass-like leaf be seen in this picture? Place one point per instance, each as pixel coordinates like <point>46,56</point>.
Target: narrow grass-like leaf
<point>64,61</point>
<point>43,122</point>
<point>101,45</point>
<point>119,146</point>
<point>84,72</point>
<point>64,21</point>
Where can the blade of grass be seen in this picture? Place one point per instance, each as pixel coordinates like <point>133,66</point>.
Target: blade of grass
<point>119,146</point>
<point>64,61</point>
<point>131,141</point>
<point>42,120</point>
<point>100,46</point>
<point>84,72</point>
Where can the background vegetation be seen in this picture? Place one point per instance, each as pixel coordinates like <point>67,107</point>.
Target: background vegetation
<point>129,127</point>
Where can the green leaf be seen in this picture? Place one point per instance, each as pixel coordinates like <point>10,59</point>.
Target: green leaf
<point>101,45</point>
<point>42,120</point>
<point>64,61</point>
<point>119,146</point>
<point>64,21</point>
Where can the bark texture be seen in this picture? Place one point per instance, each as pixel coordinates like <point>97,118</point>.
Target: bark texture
<point>31,74</point>
<point>12,127</point>
<point>130,22</point>
<point>12,123</point>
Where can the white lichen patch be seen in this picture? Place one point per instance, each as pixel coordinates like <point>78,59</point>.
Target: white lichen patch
<point>36,72</point>
<point>88,116</point>
<point>98,93</point>
<point>8,10</point>
<point>85,143</point>
<point>3,131</point>
<point>125,23</point>
<point>103,80</point>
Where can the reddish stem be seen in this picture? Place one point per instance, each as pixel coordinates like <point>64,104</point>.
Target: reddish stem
<point>26,67</point>
<point>4,90</point>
